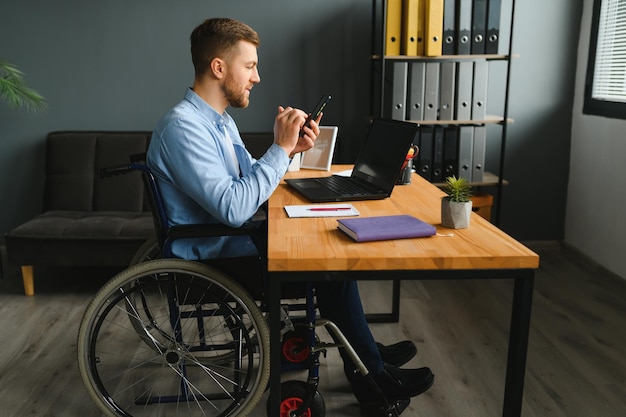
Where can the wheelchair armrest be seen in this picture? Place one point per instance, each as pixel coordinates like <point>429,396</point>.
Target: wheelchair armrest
<point>212,230</point>
<point>253,228</point>
<point>250,228</point>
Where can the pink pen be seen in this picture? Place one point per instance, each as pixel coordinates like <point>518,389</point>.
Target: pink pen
<point>329,208</point>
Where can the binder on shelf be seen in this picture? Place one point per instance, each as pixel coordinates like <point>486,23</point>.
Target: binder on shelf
<point>431,91</point>
<point>393,24</point>
<point>446,97</point>
<point>478,153</point>
<point>416,91</point>
<point>479,92</point>
<point>398,91</point>
<point>493,26</point>
<point>410,16</point>
<point>433,25</point>
<point>463,26</point>
<point>465,79</point>
<point>437,173</point>
<point>425,155</point>
<point>449,27</point>
<point>479,23</point>
<point>450,151</point>
<point>421,31</point>
<point>466,143</point>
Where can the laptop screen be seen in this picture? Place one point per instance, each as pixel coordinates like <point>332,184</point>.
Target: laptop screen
<point>384,151</point>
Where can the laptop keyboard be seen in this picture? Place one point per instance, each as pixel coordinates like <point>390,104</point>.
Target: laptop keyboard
<point>343,185</point>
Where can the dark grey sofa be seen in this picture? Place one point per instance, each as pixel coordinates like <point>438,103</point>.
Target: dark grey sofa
<point>86,220</point>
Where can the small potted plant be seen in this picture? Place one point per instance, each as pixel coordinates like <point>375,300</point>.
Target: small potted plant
<point>456,207</point>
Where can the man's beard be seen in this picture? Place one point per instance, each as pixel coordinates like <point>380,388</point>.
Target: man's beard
<point>236,98</point>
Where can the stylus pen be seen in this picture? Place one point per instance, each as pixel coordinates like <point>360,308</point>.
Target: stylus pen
<point>329,208</point>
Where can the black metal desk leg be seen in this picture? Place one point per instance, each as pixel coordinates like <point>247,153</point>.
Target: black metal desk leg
<point>394,316</point>
<point>518,344</point>
<point>275,357</point>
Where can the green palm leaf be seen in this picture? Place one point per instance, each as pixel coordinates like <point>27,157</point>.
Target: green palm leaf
<point>15,92</point>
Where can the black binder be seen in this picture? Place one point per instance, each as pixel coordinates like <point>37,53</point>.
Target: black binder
<point>479,24</point>
<point>463,26</point>
<point>437,175</point>
<point>425,163</point>
<point>449,27</point>
<point>478,153</point>
<point>450,151</point>
<point>493,26</point>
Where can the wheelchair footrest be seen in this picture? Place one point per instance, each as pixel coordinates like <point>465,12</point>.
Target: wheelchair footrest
<point>393,410</point>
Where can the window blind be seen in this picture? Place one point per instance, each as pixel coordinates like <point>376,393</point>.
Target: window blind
<point>609,81</point>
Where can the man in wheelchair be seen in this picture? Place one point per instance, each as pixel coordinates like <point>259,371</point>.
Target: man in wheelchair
<point>206,175</point>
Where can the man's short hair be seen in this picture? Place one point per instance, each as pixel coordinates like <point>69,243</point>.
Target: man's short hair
<point>216,38</point>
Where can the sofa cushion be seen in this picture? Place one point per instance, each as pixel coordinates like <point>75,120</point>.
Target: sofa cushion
<point>86,225</point>
<point>78,238</point>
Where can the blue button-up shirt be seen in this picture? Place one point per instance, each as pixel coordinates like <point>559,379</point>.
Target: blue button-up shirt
<point>200,181</point>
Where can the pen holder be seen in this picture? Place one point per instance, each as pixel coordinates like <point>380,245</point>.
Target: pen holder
<point>405,174</point>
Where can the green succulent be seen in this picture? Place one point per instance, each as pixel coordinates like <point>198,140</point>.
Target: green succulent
<point>458,189</point>
<point>15,92</point>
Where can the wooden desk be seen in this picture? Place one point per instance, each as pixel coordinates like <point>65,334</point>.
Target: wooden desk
<point>299,248</point>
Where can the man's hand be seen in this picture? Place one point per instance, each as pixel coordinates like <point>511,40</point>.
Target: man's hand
<point>287,126</point>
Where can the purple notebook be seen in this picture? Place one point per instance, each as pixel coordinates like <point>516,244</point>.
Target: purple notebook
<point>366,229</point>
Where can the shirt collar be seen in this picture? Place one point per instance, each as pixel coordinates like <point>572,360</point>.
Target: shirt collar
<point>220,120</point>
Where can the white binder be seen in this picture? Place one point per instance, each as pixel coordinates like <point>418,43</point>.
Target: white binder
<point>466,144</point>
<point>479,92</point>
<point>399,90</point>
<point>431,91</point>
<point>416,91</point>
<point>448,75</point>
<point>465,79</point>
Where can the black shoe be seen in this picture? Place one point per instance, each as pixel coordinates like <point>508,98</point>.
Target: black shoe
<point>397,386</point>
<point>397,354</point>
<point>404,383</point>
<point>373,401</point>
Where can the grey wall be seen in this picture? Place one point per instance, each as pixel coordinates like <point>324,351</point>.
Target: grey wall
<point>119,64</point>
<point>595,204</point>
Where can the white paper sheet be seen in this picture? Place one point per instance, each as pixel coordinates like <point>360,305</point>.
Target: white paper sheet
<point>322,210</point>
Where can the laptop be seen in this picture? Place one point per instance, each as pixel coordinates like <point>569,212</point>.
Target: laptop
<point>375,171</point>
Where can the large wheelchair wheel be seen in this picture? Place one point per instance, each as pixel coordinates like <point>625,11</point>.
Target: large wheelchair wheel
<point>154,339</point>
<point>148,251</point>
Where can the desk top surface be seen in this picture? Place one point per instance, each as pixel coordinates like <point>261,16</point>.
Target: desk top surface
<point>315,244</point>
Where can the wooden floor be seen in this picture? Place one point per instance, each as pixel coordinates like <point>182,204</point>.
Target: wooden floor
<point>576,360</point>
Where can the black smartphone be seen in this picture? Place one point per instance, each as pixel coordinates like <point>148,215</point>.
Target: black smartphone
<point>319,107</point>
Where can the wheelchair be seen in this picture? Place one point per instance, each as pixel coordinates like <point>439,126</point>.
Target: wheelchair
<point>172,337</point>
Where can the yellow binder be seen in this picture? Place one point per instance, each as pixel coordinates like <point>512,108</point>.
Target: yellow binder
<point>433,21</point>
<point>410,15</point>
<point>394,27</point>
<point>421,32</point>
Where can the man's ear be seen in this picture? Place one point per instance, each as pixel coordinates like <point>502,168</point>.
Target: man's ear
<point>218,68</point>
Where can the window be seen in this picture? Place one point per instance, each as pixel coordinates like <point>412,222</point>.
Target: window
<point>605,86</point>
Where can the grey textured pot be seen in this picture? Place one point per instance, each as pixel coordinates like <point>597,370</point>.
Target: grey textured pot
<point>455,215</point>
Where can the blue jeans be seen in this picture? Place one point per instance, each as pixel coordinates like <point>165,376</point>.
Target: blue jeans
<point>340,302</point>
